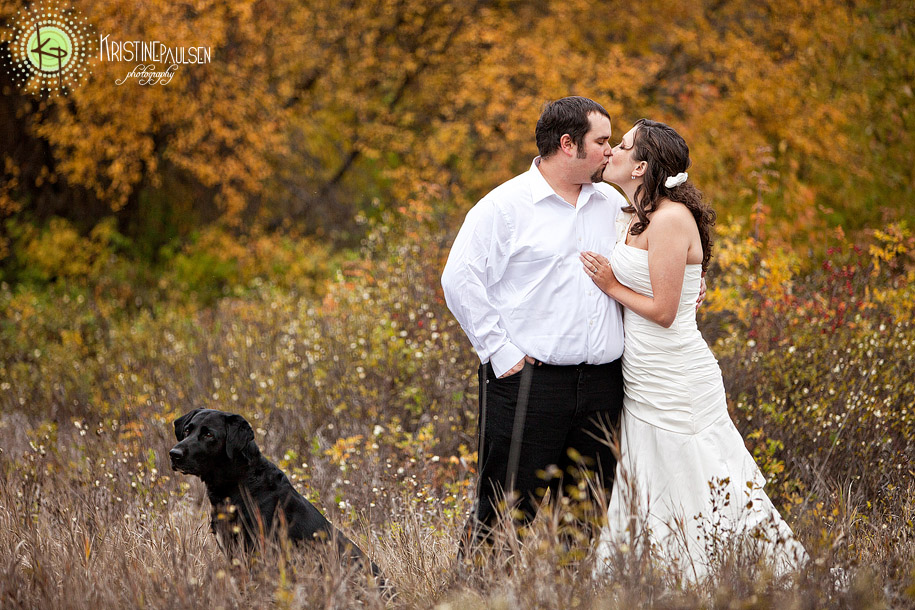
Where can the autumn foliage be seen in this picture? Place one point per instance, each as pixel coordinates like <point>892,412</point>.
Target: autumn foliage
<point>311,111</point>
<point>265,235</point>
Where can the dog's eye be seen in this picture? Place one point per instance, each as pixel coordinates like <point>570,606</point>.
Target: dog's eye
<point>207,434</point>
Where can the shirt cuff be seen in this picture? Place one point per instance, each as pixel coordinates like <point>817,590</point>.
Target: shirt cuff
<point>504,359</point>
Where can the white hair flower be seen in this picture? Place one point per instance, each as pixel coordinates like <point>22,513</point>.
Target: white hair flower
<point>676,180</point>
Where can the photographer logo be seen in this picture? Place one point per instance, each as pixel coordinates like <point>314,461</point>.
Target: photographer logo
<point>49,49</point>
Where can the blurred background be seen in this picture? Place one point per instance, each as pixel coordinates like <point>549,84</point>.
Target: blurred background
<point>265,234</point>
<point>312,113</point>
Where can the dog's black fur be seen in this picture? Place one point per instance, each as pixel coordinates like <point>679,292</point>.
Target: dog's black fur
<point>251,496</point>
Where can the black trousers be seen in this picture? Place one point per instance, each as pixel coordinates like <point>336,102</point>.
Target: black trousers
<point>568,412</point>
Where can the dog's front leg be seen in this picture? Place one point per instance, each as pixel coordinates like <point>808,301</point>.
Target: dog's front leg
<point>228,530</point>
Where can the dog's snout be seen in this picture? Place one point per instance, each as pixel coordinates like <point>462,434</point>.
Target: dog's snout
<point>176,453</point>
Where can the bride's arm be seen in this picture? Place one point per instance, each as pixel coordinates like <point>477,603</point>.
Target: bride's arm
<point>668,246</point>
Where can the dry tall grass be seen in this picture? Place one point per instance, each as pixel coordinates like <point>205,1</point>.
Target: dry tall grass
<point>83,524</point>
<point>366,398</point>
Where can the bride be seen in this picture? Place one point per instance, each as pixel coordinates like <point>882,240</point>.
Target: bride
<point>686,485</point>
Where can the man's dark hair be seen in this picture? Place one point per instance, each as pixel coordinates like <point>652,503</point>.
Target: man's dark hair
<point>568,115</point>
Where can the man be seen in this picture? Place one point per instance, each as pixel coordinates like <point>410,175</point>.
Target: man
<point>549,340</point>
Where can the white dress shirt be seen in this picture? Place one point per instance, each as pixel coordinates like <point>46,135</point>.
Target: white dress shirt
<point>514,281</point>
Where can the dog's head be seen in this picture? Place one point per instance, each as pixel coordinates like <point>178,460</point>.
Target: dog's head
<point>212,442</point>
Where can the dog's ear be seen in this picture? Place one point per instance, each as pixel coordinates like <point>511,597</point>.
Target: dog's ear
<point>181,422</point>
<point>240,439</point>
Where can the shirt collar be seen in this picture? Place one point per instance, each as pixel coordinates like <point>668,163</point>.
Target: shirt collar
<point>541,189</point>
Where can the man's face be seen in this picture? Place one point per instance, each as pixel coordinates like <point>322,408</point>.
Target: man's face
<point>594,152</point>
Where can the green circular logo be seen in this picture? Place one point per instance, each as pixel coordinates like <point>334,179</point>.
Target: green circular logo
<point>49,49</point>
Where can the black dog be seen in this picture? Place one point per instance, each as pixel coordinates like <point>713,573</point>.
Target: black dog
<point>251,497</point>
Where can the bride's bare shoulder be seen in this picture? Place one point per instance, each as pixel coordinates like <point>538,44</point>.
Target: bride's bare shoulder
<point>672,215</point>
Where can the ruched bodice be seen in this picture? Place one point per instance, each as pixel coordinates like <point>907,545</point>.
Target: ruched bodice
<point>679,449</point>
<point>672,378</point>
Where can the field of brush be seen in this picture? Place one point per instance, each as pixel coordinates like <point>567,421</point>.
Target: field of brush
<point>365,394</point>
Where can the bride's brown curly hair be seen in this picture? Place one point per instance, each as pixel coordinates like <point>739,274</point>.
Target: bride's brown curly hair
<point>666,155</point>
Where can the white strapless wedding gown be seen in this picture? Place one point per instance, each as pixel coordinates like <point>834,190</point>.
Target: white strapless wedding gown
<point>685,482</point>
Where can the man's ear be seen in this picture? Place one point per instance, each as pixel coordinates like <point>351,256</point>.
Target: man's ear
<point>567,144</point>
<point>181,423</point>
<point>240,439</point>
